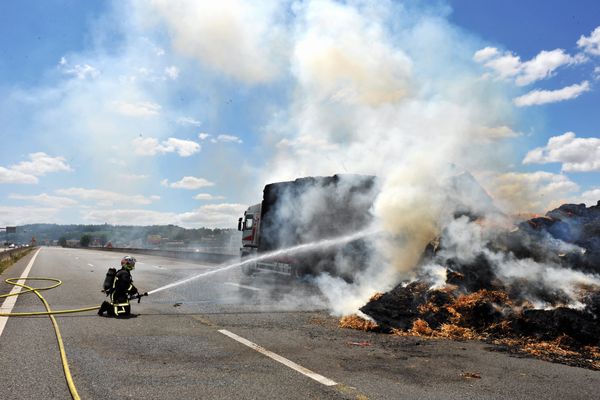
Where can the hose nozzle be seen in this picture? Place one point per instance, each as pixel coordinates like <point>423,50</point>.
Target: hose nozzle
<point>138,296</point>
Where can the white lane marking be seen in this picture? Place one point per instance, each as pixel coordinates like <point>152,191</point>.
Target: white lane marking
<point>10,301</point>
<point>319,378</point>
<point>243,286</point>
<point>91,265</point>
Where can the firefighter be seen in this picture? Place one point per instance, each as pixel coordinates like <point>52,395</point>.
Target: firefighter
<point>119,286</point>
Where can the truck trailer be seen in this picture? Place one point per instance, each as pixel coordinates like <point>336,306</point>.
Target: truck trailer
<point>309,210</point>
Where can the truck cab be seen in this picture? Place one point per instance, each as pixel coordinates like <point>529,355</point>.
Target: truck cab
<point>249,225</point>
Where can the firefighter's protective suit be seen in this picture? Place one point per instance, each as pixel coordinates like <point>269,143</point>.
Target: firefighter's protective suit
<point>119,291</point>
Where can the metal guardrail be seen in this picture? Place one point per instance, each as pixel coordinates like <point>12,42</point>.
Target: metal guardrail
<point>181,254</point>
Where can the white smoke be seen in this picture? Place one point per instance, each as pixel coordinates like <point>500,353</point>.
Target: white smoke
<point>368,99</point>
<point>245,40</point>
<point>464,241</point>
<point>377,88</point>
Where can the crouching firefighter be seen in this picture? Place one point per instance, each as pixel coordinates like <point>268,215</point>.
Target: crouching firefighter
<point>119,286</point>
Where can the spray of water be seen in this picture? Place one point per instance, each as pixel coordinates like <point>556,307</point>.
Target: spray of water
<point>322,244</point>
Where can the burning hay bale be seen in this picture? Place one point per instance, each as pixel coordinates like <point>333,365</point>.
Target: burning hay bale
<point>558,334</point>
<point>562,335</point>
<point>546,318</point>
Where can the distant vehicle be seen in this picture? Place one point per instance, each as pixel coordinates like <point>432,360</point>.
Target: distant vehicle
<point>309,210</point>
<point>12,246</point>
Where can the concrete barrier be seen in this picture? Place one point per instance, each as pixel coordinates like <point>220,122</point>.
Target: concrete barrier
<point>14,254</point>
<point>216,258</point>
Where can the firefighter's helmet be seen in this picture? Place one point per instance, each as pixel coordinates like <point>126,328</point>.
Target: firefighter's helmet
<point>128,263</point>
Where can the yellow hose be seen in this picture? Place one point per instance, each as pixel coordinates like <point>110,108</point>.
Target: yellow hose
<point>50,313</point>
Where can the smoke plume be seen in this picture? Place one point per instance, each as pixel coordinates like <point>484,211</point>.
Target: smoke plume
<point>384,89</point>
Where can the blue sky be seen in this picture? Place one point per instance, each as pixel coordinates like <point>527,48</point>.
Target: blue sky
<point>135,112</point>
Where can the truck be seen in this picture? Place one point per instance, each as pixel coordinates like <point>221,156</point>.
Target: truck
<point>309,210</point>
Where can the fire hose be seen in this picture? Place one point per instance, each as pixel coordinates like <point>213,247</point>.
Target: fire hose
<point>49,312</point>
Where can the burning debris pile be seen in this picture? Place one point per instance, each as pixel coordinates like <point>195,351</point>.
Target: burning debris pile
<point>535,289</point>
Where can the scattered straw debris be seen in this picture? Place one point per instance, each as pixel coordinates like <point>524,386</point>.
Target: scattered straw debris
<point>421,328</point>
<point>471,375</point>
<point>355,322</point>
<point>359,344</point>
<point>457,332</point>
<point>557,350</point>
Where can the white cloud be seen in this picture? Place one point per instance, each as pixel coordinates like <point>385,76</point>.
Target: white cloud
<point>146,146</point>
<point>207,196</point>
<point>188,182</point>
<point>507,65</point>
<point>591,197</point>
<point>129,216</point>
<point>575,154</point>
<point>149,74</point>
<point>485,54</point>
<point>172,72</point>
<point>220,138</point>
<point>10,216</point>
<point>530,192</point>
<point>229,138</point>
<point>80,71</point>
<point>184,148</point>
<point>543,65</point>
<point>151,146</point>
<point>133,177</point>
<point>11,176</point>
<point>45,199</point>
<point>213,215</point>
<point>537,97</point>
<point>591,44</point>
<point>39,164</point>
<point>105,197</point>
<point>210,216</point>
<point>188,121</point>
<point>140,109</point>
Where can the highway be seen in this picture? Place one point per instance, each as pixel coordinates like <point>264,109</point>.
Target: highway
<point>231,337</point>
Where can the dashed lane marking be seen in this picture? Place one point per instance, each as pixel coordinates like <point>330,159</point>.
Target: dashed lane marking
<point>91,265</point>
<point>243,286</point>
<point>290,364</point>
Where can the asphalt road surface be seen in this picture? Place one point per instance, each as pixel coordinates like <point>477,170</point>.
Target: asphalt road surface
<point>195,342</point>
